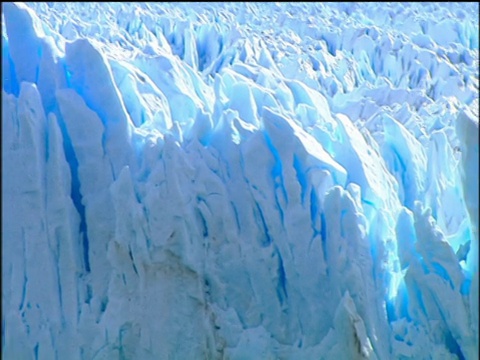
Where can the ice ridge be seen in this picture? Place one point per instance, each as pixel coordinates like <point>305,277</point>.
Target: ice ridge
<point>240,180</point>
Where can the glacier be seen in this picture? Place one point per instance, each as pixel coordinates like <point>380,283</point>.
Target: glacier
<point>240,180</point>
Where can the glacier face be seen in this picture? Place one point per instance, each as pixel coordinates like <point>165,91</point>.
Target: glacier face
<point>240,181</point>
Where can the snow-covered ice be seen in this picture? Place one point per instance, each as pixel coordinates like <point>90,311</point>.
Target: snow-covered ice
<point>240,180</point>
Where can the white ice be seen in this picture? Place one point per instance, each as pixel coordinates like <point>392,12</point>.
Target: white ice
<point>240,180</point>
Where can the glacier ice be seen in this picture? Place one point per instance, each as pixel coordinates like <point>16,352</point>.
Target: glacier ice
<point>240,180</point>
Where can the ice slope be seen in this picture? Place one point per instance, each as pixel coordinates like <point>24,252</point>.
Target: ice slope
<point>240,180</point>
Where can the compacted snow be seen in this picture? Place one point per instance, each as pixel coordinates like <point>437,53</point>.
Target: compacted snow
<point>240,180</point>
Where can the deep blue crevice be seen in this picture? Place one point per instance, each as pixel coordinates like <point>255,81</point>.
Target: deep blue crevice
<point>323,230</point>
<point>369,203</point>
<point>400,167</point>
<point>397,159</point>
<point>390,307</point>
<point>465,287</point>
<point>277,173</point>
<point>59,286</point>
<point>314,211</point>
<point>302,179</point>
<point>68,74</point>
<point>203,57</point>
<point>130,254</point>
<point>277,170</point>
<point>235,212</point>
<point>24,291</point>
<point>424,266</point>
<point>452,345</point>
<point>85,244</point>
<point>267,240</point>
<point>402,297</point>
<point>282,280</point>
<point>220,44</point>
<point>103,304</point>
<point>35,350</point>
<point>14,85</point>
<point>75,193</point>
<point>143,118</point>
<point>201,61</point>
<point>37,74</point>
<point>201,220</point>
<point>280,210</point>
<point>219,63</point>
<point>440,271</point>
<point>77,201</point>
<point>342,215</point>
<point>323,233</point>
<point>89,294</point>
<point>419,296</point>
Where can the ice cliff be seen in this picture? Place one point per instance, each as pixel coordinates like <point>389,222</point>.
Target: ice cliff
<point>240,180</point>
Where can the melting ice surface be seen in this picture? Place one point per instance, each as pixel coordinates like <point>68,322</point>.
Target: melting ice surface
<point>240,181</point>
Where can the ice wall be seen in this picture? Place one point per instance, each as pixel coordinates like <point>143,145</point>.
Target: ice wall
<point>239,181</point>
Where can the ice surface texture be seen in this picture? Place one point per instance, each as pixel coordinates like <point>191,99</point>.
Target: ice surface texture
<point>240,181</point>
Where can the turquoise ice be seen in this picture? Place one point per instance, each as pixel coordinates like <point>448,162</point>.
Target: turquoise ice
<point>240,180</point>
